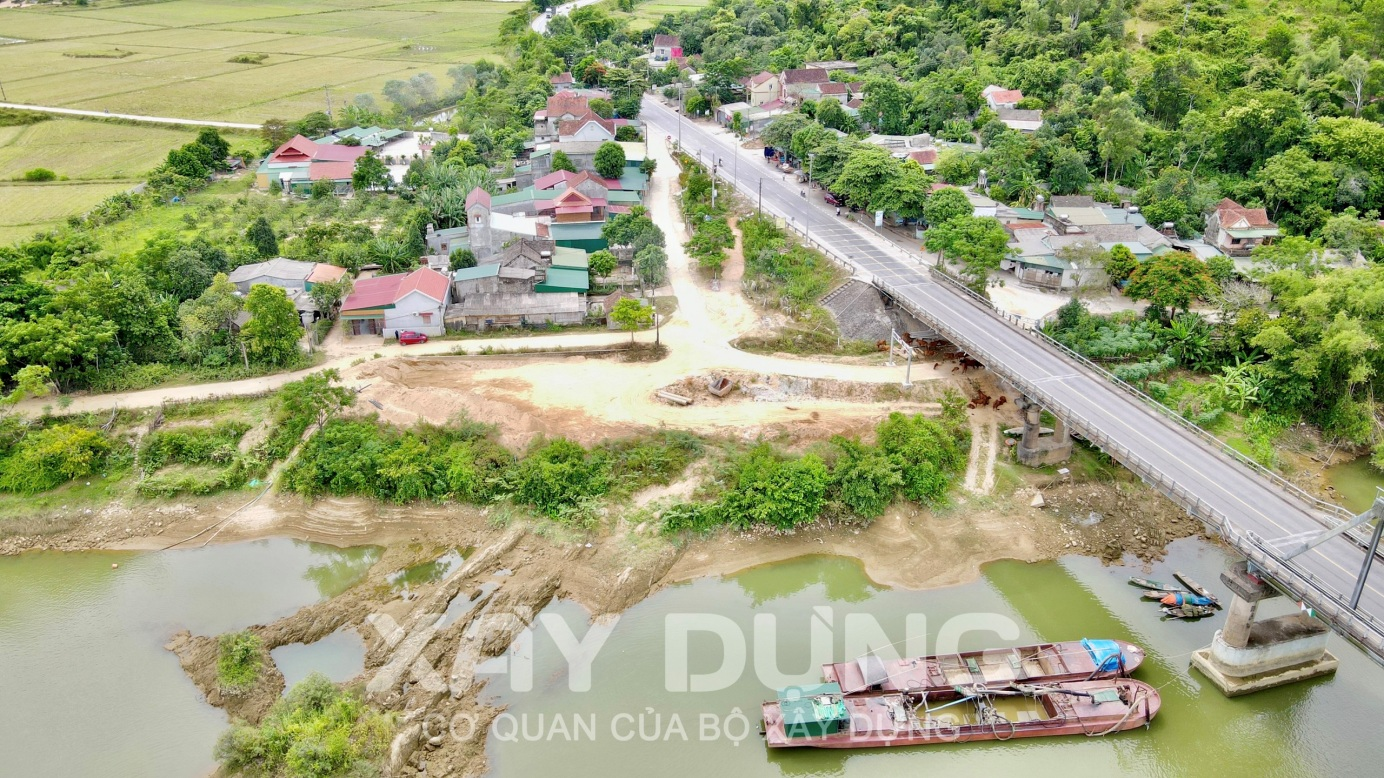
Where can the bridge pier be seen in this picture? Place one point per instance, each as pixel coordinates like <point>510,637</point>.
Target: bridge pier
<point>1248,655</point>
<point>1036,449</point>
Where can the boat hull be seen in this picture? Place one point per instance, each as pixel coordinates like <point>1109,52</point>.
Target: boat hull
<point>1043,663</point>
<point>873,723</point>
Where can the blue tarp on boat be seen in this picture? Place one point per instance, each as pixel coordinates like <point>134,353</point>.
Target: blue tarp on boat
<point>1105,653</point>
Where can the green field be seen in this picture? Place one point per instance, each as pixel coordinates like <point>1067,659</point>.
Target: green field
<point>99,159</point>
<point>648,14</point>
<point>179,51</point>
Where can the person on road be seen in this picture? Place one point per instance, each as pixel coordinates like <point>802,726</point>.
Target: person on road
<point>838,210</point>
<point>802,193</point>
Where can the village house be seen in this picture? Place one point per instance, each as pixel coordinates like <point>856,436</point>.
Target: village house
<point>300,162</point>
<point>396,148</point>
<point>764,87</point>
<point>753,119</point>
<point>1026,121</point>
<point>1238,230</point>
<point>562,81</point>
<point>998,97</point>
<point>666,47</point>
<point>533,281</point>
<point>385,305</point>
<point>565,106</point>
<point>294,277</point>
<point>804,83</point>
<point>588,127</point>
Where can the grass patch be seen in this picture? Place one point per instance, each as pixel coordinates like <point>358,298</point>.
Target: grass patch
<point>238,660</point>
<point>316,730</point>
<point>98,54</point>
<point>249,59</point>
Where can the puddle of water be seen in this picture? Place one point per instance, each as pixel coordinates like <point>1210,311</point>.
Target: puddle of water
<point>340,656</point>
<point>1356,483</point>
<point>463,602</point>
<point>410,578</point>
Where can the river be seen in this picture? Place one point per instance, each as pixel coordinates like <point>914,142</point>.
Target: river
<point>1324,727</point>
<point>86,687</point>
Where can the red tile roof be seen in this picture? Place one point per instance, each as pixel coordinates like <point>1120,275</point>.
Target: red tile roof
<point>300,149</point>
<point>806,76</point>
<point>924,157</point>
<point>477,196</point>
<point>424,280</point>
<point>323,272</point>
<point>666,40</point>
<point>1001,96</point>
<point>762,77</point>
<point>372,293</point>
<point>566,102</point>
<point>573,126</point>
<point>562,78</point>
<point>1228,212</point>
<point>331,171</point>
<point>832,88</point>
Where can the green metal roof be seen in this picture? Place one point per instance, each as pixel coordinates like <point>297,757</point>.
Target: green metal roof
<point>473,273</point>
<point>1028,213</point>
<point>510,198</point>
<point>633,180</point>
<point>1046,261</point>
<point>621,196</point>
<point>576,259</point>
<point>565,279</point>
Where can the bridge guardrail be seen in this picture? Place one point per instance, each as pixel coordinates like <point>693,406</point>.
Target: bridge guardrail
<point>1334,516</point>
<point>1359,626</point>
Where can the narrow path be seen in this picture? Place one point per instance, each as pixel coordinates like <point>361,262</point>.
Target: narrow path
<point>980,466</point>
<point>130,117</point>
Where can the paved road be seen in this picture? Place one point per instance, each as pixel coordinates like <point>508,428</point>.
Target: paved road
<point>540,22</point>
<point>131,117</point>
<point>1225,486</point>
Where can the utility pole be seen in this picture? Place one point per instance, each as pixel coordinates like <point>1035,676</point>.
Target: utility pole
<point>2,92</point>
<point>761,197</point>
<point>329,99</point>
<point>713,186</point>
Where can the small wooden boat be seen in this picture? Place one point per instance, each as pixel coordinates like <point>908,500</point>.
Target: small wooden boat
<point>1159,585</point>
<point>1189,611</point>
<point>1197,589</point>
<point>1075,660</point>
<point>1179,600</point>
<point>1158,594</point>
<point>823,717</point>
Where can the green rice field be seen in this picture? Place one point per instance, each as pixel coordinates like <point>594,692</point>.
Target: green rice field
<point>174,54</point>
<point>648,14</point>
<point>29,208</point>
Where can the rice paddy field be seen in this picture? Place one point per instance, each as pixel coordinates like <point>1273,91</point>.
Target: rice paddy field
<point>172,57</point>
<point>97,158</point>
<point>649,13</point>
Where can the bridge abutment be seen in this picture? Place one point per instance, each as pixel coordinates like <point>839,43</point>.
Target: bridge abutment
<point>1036,448</point>
<point>1248,656</point>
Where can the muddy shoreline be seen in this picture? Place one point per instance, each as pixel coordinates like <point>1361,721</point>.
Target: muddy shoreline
<point>521,566</point>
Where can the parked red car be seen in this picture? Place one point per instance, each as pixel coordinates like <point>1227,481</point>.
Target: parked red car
<point>831,199</point>
<point>409,337</point>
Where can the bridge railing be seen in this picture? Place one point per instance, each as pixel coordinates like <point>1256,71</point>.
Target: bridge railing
<point>1334,605</point>
<point>1332,515</point>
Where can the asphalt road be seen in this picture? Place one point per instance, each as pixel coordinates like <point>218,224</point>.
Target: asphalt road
<point>540,22</point>
<point>131,117</point>
<point>1250,501</point>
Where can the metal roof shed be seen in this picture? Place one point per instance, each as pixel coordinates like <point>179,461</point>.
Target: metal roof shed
<point>564,279</point>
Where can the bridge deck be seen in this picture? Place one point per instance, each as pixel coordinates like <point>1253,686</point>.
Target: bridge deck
<point>1246,507</point>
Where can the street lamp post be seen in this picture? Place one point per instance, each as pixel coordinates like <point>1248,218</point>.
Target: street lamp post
<point>761,197</point>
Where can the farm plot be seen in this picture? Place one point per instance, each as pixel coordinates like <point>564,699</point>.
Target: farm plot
<point>84,150</point>
<point>28,208</point>
<point>179,52</point>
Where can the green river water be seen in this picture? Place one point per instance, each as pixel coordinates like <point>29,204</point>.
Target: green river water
<point>86,688</point>
<point>1325,727</point>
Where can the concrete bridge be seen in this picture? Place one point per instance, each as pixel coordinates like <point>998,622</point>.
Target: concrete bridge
<point>1263,517</point>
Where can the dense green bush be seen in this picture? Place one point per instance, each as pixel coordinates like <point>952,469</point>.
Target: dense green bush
<point>192,445</point>
<point>315,731</point>
<point>770,489</point>
<point>639,462</point>
<point>40,174</point>
<point>53,456</point>
<point>791,275</point>
<point>558,474</point>
<point>926,452</point>
<point>238,661</point>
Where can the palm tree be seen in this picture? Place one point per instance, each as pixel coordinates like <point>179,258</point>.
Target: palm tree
<point>393,256</point>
